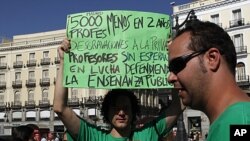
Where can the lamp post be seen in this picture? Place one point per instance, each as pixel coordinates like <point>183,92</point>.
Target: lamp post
<point>181,134</point>
<point>191,17</point>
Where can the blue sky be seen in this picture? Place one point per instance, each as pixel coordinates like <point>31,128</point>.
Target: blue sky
<point>31,16</point>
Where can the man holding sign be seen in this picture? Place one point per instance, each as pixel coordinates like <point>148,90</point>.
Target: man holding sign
<point>116,50</point>
<point>119,109</point>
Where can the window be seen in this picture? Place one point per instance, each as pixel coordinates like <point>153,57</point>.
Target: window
<point>238,40</point>
<point>2,77</point>
<point>92,92</point>
<point>240,72</point>
<point>46,54</point>
<point>74,93</point>
<point>1,98</point>
<point>215,19</point>
<point>17,96</point>
<point>2,59</point>
<point>45,94</point>
<point>237,14</point>
<point>32,56</point>
<point>238,43</point>
<point>18,57</point>
<point>31,75</point>
<point>31,95</point>
<point>144,99</point>
<point>148,99</point>
<point>18,76</point>
<point>45,74</point>
<point>194,124</point>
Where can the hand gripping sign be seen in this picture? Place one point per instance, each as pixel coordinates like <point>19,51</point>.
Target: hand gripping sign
<point>117,49</point>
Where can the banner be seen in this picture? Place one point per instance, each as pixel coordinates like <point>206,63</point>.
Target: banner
<point>117,49</point>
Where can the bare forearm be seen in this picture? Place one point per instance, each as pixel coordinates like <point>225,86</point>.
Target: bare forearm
<point>61,93</point>
<point>65,113</point>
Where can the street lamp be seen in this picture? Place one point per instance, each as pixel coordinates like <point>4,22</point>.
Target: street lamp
<point>191,17</point>
<point>181,134</point>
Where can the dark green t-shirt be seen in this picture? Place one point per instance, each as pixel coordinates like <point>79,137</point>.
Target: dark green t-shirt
<point>238,113</point>
<point>90,132</point>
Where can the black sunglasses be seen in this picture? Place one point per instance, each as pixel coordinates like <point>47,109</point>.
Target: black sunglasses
<point>179,63</point>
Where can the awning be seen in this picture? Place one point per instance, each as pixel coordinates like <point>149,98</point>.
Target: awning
<point>30,114</point>
<point>45,114</point>
<point>17,115</point>
<point>193,113</point>
<point>92,112</point>
<point>2,114</point>
<point>77,111</point>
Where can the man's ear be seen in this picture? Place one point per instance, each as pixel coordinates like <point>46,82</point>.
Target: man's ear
<point>213,59</point>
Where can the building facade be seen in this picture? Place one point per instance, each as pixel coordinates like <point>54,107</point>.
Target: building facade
<point>233,17</point>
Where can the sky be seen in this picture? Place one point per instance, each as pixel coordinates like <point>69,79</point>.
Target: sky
<point>19,17</point>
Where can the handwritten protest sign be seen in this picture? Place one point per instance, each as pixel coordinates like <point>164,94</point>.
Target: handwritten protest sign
<point>117,49</point>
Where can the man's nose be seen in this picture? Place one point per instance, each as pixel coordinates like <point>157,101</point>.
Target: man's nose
<point>172,78</point>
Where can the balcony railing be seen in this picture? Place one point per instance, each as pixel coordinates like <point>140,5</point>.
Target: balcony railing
<point>44,103</point>
<point>2,106</point>
<point>73,102</point>
<point>3,65</point>
<point>45,61</point>
<point>16,105</point>
<point>57,60</point>
<point>237,22</point>
<point>31,83</point>
<point>241,49</point>
<point>2,84</point>
<point>31,63</point>
<point>17,84</point>
<point>45,82</point>
<point>30,104</point>
<point>243,80</point>
<point>18,64</point>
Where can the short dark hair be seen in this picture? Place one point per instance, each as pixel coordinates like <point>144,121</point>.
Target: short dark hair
<point>21,133</point>
<point>205,35</point>
<point>111,97</point>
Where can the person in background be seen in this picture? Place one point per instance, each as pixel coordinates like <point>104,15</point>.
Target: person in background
<point>119,108</point>
<point>50,136</point>
<point>202,64</point>
<point>22,133</point>
<point>36,132</point>
<point>43,138</point>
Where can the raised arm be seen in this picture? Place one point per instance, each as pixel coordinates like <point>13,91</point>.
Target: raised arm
<point>173,111</point>
<point>64,112</point>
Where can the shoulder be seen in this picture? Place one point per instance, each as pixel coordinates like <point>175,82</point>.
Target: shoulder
<point>238,113</point>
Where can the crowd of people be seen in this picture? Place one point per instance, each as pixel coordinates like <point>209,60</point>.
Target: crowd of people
<point>31,132</point>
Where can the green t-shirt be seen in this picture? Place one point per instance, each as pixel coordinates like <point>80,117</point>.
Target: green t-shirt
<point>238,113</point>
<point>90,132</point>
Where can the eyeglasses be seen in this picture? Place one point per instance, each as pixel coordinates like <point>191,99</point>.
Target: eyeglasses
<point>179,63</point>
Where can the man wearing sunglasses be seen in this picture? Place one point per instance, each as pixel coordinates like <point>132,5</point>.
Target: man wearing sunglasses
<point>202,63</point>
